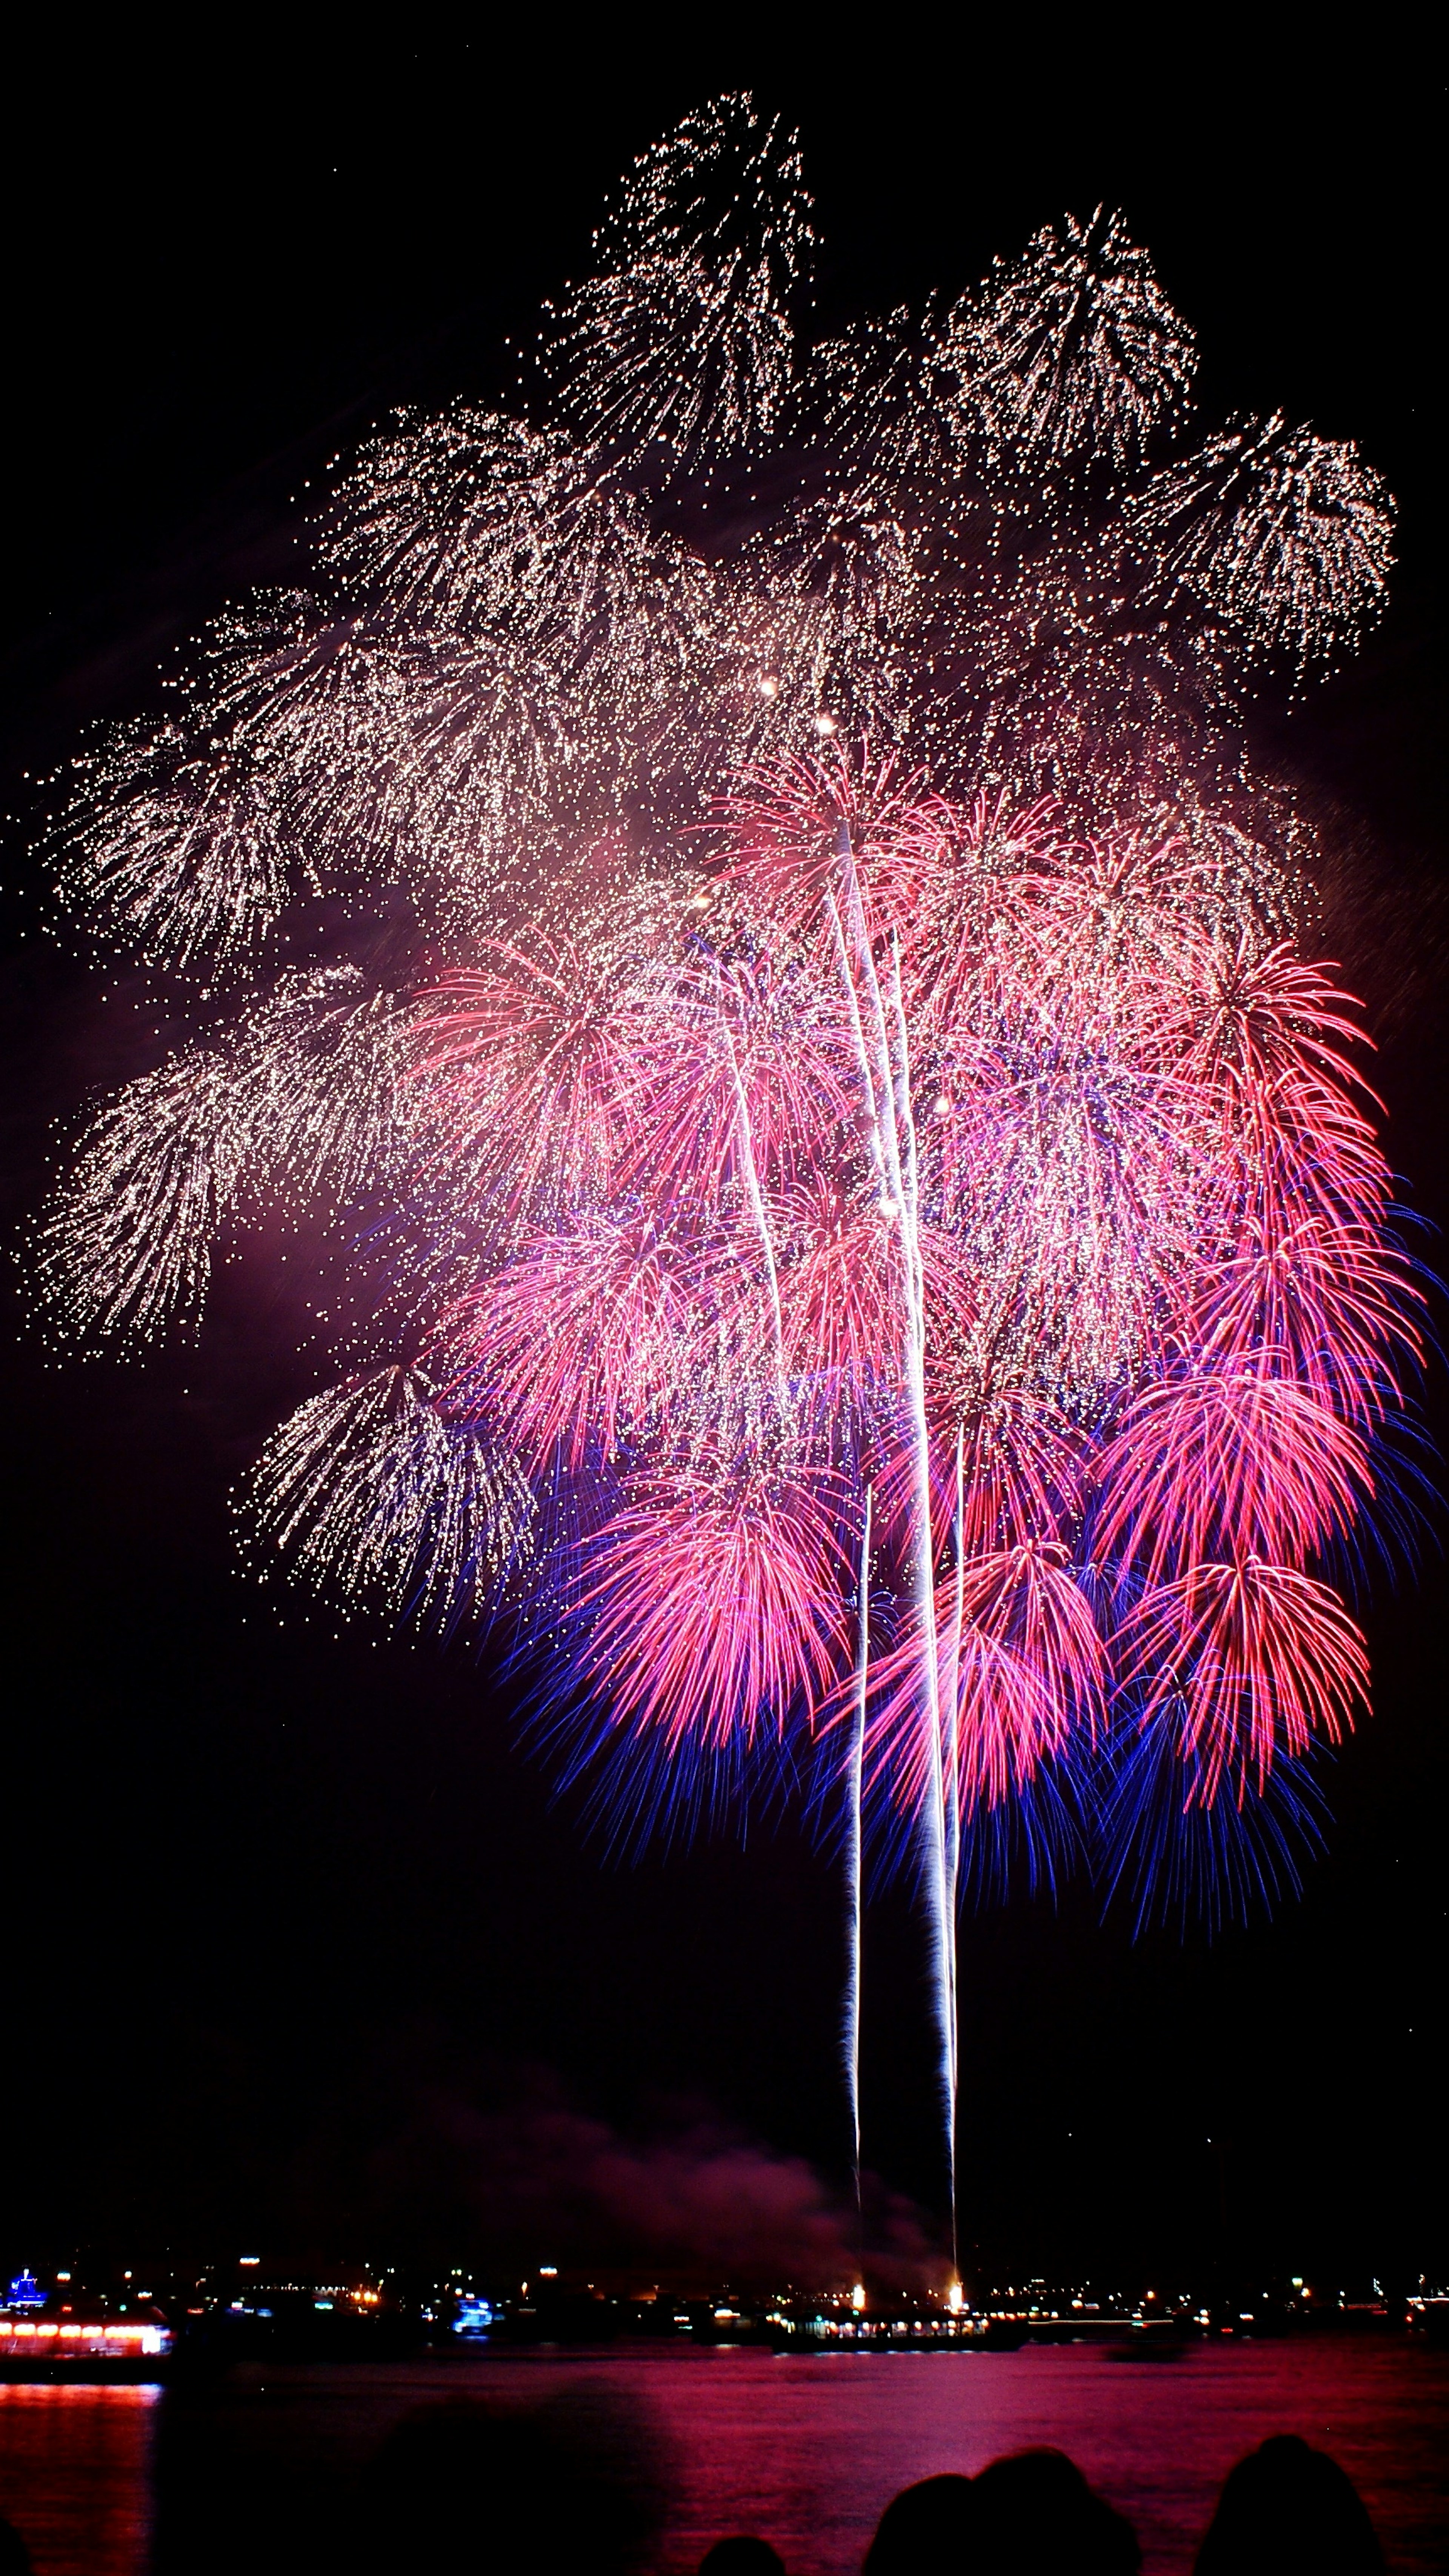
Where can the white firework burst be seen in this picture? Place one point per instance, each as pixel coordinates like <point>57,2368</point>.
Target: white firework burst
<point>312,1081</point>
<point>445,520</point>
<point>368,1492</point>
<point>893,397</point>
<point>487,778</point>
<point>297,1102</point>
<point>169,851</point>
<point>124,1247</point>
<point>682,337</point>
<point>828,605</point>
<point>1072,348</point>
<point>183,843</point>
<point>1287,536</point>
<point>476,525</point>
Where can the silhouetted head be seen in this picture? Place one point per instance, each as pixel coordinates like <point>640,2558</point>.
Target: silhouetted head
<point>742,2557</point>
<point>927,2528</point>
<point>14,2556</point>
<point>1035,2515</point>
<point>1292,2511</point>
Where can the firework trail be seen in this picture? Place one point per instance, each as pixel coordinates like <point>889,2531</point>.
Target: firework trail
<point>854,1853</point>
<point>874,1269</point>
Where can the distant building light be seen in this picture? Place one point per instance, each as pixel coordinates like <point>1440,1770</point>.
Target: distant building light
<point>474,2317</point>
<point>26,2292</point>
<point>548,2271</point>
<point>248,2261</point>
<point>62,2276</point>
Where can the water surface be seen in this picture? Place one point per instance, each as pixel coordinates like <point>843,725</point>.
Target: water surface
<point>803,2449</point>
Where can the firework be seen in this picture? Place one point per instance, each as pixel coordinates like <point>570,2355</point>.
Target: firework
<point>832,600</point>
<point>296,1100</point>
<point>893,398</point>
<point>682,335</point>
<point>874,1266</point>
<point>371,1495</point>
<point>127,1240</point>
<point>949,1180</point>
<point>1286,537</point>
<point>1072,350</point>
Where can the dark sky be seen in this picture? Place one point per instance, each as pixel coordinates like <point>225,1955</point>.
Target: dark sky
<point>292,1926</point>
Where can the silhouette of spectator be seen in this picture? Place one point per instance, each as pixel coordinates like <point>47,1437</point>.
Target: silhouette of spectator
<point>1030,2515</point>
<point>930,2526</point>
<point>742,2557</point>
<point>15,2557</point>
<point>1292,2511</point>
<point>1035,2515</point>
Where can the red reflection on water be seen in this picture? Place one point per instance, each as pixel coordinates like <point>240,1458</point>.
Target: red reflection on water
<point>75,2475</point>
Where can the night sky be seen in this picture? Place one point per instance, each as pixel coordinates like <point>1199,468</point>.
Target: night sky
<point>297,1948</point>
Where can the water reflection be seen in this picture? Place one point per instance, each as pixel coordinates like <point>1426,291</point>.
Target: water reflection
<point>266,2468</point>
<point>75,2475</point>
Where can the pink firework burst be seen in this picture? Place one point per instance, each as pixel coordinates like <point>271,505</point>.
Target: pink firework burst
<point>713,1604</point>
<point>933,1154</point>
<point>1251,1659</point>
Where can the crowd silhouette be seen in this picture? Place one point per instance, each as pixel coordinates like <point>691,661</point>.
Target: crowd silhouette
<point>1285,2510</point>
